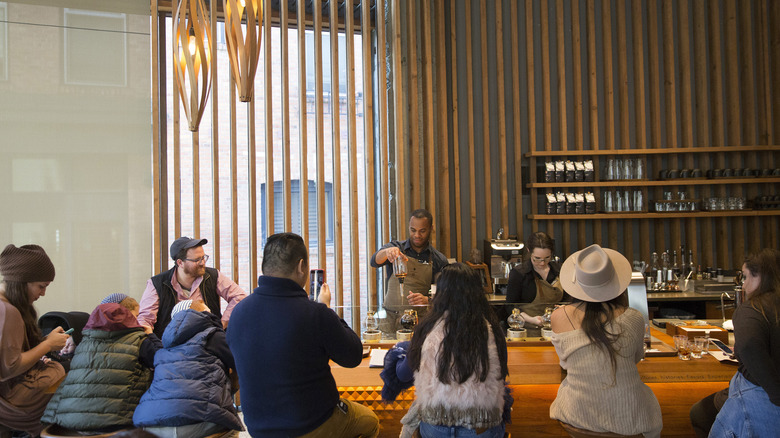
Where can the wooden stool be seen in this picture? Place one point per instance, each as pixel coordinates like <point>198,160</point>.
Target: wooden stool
<point>55,431</point>
<point>576,432</point>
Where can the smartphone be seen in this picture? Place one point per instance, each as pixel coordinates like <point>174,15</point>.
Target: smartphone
<point>722,347</point>
<point>316,280</point>
<point>69,331</point>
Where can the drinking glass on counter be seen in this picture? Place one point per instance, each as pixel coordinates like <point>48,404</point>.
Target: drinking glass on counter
<point>683,346</point>
<point>699,345</point>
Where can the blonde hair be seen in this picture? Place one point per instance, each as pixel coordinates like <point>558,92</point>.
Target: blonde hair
<point>129,303</point>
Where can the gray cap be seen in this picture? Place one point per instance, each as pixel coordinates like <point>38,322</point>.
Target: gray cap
<point>185,242</point>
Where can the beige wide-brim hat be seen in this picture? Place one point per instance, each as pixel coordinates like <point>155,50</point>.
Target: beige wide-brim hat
<point>595,274</point>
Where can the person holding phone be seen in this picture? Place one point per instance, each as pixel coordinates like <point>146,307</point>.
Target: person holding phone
<point>424,263</point>
<point>282,343</point>
<point>753,406</point>
<point>25,374</point>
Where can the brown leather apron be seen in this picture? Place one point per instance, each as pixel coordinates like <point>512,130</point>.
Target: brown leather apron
<point>546,295</point>
<point>418,279</point>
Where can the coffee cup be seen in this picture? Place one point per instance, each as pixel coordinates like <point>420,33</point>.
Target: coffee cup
<point>674,174</point>
<point>728,173</point>
<point>696,173</point>
<point>766,172</point>
<point>776,172</point>
<point>685,173</point>
<point>664,174</point>
<point>717,173</point>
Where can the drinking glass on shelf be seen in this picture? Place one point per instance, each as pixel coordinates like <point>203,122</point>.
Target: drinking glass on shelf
<point>732,203</point>
<point>682,344</point>
<point>639,168</point>
<point>619,205</point>
<point>608,202</point>
<point>619,169</point>
<point>628,169</point>
<point>610,174</point>
<point>638,201</point>
<point>627,205</point>
<point>667,196</point>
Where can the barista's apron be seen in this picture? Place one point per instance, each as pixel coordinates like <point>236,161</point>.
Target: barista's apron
<point>546,295</point>
<point>418,279</point>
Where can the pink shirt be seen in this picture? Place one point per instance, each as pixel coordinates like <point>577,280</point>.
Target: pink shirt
<point>150,302</point>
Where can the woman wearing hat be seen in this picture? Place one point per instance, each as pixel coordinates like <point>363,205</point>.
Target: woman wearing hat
<point>753,406</point>
<point>24,376</point>
<point>599,340</point>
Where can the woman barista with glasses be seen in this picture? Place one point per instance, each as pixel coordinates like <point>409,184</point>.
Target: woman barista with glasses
<point>535,281</point>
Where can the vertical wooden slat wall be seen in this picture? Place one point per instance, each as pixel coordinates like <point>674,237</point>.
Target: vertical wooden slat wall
<point>270,158</point>
<point>681,84</point>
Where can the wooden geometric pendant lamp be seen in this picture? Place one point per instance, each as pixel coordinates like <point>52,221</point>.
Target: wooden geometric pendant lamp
<point>191,56</point>
<point>244,50</point>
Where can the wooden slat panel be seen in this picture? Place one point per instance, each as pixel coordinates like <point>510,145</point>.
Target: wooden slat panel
<point>486,145</point>
<point>335,130</point>
<point>670,106</point>
<point>429,146</point>
<point>471,140</point>
<point>233,177</point>
<point>456,133</point>
<point>370,161</point>
<point>609,77</point>
<point>320,145</point>
<point>176,163</point>
<point>577,77</point>
<point>563,134</point>
<point>353,219</point>
<point>442,145</point>
<point>502,156</point>
<point>546,99</point>
<point>398,124</point>
<point>269,122</point>
<point>590,16</point>
<point>159,190</point>
<point>253,215</point>
<point>531,87</point>
<point>773,68</point>
<point>716,77</point>
<point>624,138</point>
<point>215,239</point>
<point>412,186</point>
<point>383,132</point>
<point>303,139</point>
<point>196,183</point>
<point>286,151</point>
<point>516,122</point>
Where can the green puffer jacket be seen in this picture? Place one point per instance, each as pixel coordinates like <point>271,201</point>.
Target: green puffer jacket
<point>104,384</point>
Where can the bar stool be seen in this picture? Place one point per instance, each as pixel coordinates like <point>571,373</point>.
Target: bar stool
<point>576,432</point>
<point>56,431</point>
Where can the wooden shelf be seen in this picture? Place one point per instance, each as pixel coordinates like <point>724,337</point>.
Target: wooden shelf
<point>669,215</point>
<point>666,182</point>
<point>654,151</point>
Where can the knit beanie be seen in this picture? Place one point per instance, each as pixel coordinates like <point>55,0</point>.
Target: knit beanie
<point>26,264</point>
<point>181,305</point>
<point>114,298</point>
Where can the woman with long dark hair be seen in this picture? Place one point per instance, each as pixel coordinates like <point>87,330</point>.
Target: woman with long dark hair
<point>753,406</point>
<point>458,357</point>
<point>599,340</point>
<point>24,377</point>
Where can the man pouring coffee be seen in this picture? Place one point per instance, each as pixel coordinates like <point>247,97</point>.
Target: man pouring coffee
<point>423,262</point>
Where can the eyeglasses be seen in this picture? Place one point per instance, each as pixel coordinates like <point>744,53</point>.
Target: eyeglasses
<point>540,259</point>
<point>203,259</point>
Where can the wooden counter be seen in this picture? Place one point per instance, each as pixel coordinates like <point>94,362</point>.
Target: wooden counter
<point>534,375</point>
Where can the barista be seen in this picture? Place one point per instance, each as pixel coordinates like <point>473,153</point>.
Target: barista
<point>535,281</point>
<point>423,263</point>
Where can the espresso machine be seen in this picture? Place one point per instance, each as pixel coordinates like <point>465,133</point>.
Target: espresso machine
<point>501,256</point>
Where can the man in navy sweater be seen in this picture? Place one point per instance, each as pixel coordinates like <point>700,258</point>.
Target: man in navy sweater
<point>282,344</point>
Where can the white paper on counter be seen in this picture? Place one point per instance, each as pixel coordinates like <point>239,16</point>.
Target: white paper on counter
<point>721,356</point>
<point>377,358</point>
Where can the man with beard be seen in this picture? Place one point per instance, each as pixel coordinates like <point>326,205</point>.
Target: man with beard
<point>423,262</point>
<point>190,279</point>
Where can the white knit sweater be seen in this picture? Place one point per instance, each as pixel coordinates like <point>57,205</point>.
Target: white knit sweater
<point>591,397</point>
<point>472,404</point>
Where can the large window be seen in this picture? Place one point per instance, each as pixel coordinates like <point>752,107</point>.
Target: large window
<point>191,191</point>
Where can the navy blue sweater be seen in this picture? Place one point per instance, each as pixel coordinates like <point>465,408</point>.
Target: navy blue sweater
<point>282,344</point>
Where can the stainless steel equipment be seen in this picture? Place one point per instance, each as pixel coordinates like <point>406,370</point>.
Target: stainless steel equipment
<point>501,256</point>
